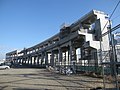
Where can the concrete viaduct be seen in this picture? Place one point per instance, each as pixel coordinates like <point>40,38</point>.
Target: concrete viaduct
<point>75,44</point>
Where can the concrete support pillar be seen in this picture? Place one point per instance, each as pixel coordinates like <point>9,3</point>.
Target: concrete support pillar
<point>42,58</point>
<point>46,58</point>
<point>73,57</point>
<point>25,60</point>
<point>38,58</point>
<point>74,54</point>
<point>31,60</point>
<point>34,60</point>
<point>64,58</point>
<point>70,51</point>
<point>28,60</point>
<point>68,56</point>
<point>52,59</point>
<point>17,60</point>
<point>22,60</point>
<point>56,59</point>
<point>60,55</point>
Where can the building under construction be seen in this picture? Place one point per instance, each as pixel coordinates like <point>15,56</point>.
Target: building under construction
<point>76,46</point>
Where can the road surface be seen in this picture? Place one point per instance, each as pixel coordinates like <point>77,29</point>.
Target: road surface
<point>42,79</point>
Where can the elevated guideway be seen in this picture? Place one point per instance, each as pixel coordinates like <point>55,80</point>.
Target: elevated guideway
<point>61,50</point>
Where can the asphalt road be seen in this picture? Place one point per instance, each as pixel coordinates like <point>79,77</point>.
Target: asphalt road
<point>42,79</point>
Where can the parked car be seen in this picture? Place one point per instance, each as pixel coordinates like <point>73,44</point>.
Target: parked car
<point>4,67</point>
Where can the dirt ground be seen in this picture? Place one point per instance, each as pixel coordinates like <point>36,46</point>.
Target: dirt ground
<point>42,79</point>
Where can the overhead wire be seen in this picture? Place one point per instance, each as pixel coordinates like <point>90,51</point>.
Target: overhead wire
<point>108,22</point>
<point>101,41</point>
<point>109,35</point>
<point>111,14</point>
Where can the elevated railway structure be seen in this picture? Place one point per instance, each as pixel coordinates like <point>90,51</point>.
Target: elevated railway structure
<point>77,44</point>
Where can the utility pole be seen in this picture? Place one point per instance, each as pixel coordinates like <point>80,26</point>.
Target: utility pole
<point>114,61</point>
<point>113,58</point>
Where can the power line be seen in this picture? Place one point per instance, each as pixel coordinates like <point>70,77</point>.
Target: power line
<point>111,14</point>
<point>113,29</point>
<point>114,9</point>
<point>101,42</point>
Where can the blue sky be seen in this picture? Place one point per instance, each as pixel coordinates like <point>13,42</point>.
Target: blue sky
<point>24,23</point>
